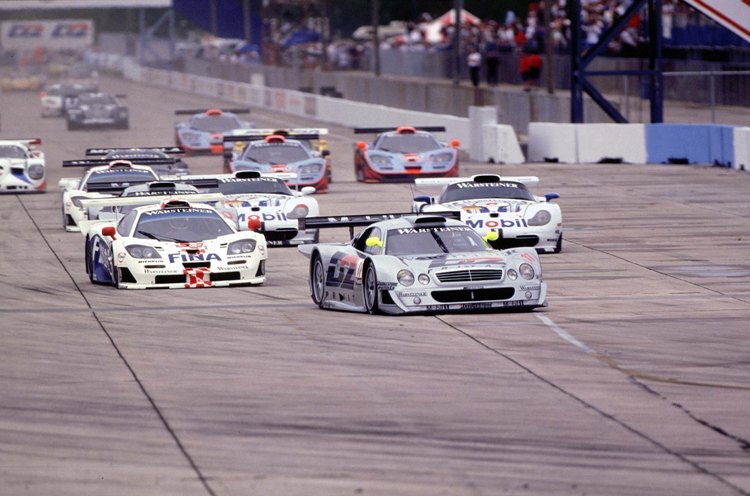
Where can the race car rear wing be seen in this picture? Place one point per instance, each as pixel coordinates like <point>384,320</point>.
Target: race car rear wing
<point>478,178</point>
<point>209,181</point>
<point>378,130</point>
<point>149,199</point>
<point>25,141</point>
<point>170,150</point>
<point>261,134</point>
<point>243,110</point>
<point>94,162</point>
<point>359,220</point>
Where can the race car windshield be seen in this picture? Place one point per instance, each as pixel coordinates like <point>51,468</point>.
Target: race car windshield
<point>274,186</point>
<point>11,152</point>
<point>215,123</point>
<point>97,100</point>
<point>408,143</point>
<point>285,153</point>
<point>433,241</point>
<point>473,191</point>
<point>121,176</point>
<point>181,225</point>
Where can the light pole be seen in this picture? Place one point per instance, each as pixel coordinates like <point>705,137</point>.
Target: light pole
<point>375,37</point>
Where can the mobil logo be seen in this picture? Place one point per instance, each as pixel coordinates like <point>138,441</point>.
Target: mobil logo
<point>495,223</point>
<point>200,257</point>
<point>26,30</point>
<point>71,30</point>
<point>265,217</point>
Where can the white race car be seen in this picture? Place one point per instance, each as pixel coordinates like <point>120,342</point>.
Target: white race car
<point>99,181</point>
<point>262,203</point>
<point>174,244</point>
<point>21,167</point>
<point>488,202</point>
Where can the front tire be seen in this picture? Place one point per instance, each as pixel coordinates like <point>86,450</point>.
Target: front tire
<point>558,245</point>
<point>317,281</point>
<point>370,289</point>
<point>115,275</point>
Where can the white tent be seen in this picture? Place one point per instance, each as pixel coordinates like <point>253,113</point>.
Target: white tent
<point>432,28</point>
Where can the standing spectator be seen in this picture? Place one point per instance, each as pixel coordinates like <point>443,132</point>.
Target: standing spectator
<point>474,61</point>
<point>530,67</point>
<point>492,50</point>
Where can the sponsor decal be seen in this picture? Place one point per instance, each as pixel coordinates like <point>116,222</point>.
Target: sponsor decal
<point>410,294</point>
<point>484,185</point>
<point>516,303</point>
<point>530,288</point>
<point>438,308</point>
<point>161,193</point>
<point>248,179</point>
<point>71,30</point>
<point>26,30</point>
<point>169,211</point>
<point>342,269</point>
<point>433,229</point>
<point>200,257</point>
<point>492,224</point>
<point>476,306</point>
<point>528,257</point>
<point>279,216</point>
<point>387,286</point>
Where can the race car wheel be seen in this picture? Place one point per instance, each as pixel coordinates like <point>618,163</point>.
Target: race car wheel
<point>64,217</point>
<point>89,269</point>
<point>317,280</point>
<point>360,175</point>
<point>115,275</point>
<point>558,246</point>
<point>370,289</point>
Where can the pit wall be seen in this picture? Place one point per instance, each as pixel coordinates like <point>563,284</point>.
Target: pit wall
<point>711,144</point>
<point>480,135</point>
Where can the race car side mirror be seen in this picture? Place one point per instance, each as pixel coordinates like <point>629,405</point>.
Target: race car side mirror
<point>423,199</point>
<point>325,153</point>
<point>307,190</point>
<point>551,196</point>
<point>455,143</point>
<point>362,145</point>
<point>109,231</point>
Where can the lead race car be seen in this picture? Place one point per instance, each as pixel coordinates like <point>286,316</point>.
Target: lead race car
<point>203,133</point>
<point>403,263</point>
<point>504,205</point>
<point>285,150</point>
<point>262,203</point>
<point>404,153</point>
<point>172,244</point>
<point>22,166</point>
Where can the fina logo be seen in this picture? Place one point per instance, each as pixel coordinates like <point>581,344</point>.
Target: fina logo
<point>26,31</point>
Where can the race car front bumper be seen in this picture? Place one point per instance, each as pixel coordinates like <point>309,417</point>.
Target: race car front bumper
<point>13,183</point>
<point>150,274</point>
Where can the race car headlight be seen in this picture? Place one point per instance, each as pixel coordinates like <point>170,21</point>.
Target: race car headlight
<point>242,246</point>
<point>309,169</point>
<point>405,277</point>
<point>540,218</point>
<point>192,138</point>
<point>526,270</point>
<point>380,160</point>
<point>141,251</point>
<point>35,171</point>
<point>442,157</point>
<point>512,275</point>
<point>423,279</point>
<point>77,201</point>
<point>298,212</point>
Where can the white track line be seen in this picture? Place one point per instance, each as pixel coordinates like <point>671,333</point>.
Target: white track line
<point>564,334</point>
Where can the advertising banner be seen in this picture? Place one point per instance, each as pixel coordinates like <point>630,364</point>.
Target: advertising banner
<point>75,34</point>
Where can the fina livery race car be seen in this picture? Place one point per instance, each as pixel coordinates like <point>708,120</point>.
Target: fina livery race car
<point>103,179</point>
<point>403,153</point>
<point>488,202</point>
<point>205,131</point>
<point>96,109</point>
<point>419,264</point>
<point>56,97</point>
<point>169,167</point>
<point>290,151</point>
<point>174,244</point>
<point>21,167</point>
<point>262,203</point>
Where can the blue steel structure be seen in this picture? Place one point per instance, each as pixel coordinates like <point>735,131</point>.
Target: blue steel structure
<point>581,58</point>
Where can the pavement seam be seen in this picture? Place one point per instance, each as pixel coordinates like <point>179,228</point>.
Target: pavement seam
<point>696,466</point>
<point>124,360</point>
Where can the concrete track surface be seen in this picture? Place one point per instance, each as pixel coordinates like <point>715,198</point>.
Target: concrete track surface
<point>635,380</point>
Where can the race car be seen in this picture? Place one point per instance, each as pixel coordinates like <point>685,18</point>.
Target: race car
<point>489,202</point>
<point>96,110</point>
<point>21,166</point>
<point>20,81</point>
<point>172,244</point>
<point>204,132</point>
<point>56,97</point>
<point>267,152</point>
<point>102,179</point>
<point>150,190</point>
<point>262,203</point>
<point>402,264</point>
<point>177,167</point>
<point>403,153</point>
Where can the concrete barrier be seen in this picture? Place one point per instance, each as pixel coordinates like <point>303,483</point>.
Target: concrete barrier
<point>678,144</point>
<point>598,143</point>
<point>552,142</point>
<point>741,137</point>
